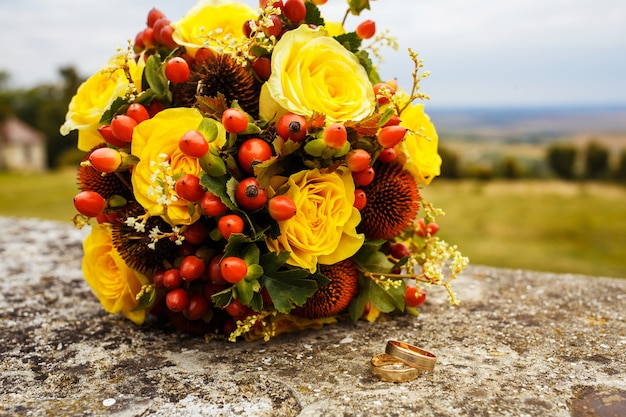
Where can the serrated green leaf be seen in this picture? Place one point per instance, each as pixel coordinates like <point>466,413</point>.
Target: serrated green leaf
<point>313,15</point>
<point>272,261</point>
<point>350,41</point>
<point>387,300</point>
<point>110,113</point>
<point>257,302</point>
<point>289,288</point>
<point>217,185</point>
<point>251,256</point>
<point>245,291</point>
<point>223,298</point>
<point>369,258</point>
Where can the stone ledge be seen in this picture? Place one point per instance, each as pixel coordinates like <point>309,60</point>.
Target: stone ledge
<point>521,343</point>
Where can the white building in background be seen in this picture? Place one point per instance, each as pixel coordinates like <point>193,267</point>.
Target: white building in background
<point>22,148</point>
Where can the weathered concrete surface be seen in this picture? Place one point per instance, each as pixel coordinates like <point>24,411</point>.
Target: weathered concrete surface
<point>521,343</point>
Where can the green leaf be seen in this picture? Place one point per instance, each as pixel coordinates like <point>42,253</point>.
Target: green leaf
<point>386,116</point>
<point>147,299</point>
<point>208,128</point>
<point>212,163</point>
<point>357,6</point>
<point>350,41</point>
<point>246,290</point>
<point>223,298</point>
<point>255,271</point>
<point>357,306</point>
<point>217,185</point>
<point>108,115</point>
<point>155,75</point>
<point>387,300</point>
<point>313,15</point>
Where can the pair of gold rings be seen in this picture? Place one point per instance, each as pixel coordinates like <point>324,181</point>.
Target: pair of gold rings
<point>401,362</point>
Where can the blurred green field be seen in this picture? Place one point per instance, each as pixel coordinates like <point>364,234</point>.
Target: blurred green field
<point>531,224</point>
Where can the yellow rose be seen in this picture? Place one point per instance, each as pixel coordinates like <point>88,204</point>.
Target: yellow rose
<point>216,19</point>
<point>418,151</point>
<point>95,96</point>
<point>155,143</point>
<point>312,72</point>
<point>112,281</point>
<point>324,227</point>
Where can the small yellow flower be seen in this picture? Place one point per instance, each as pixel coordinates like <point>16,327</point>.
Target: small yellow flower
<point>155,143</point>
<point>313,73</point>
<point>418,151</point>
<point>212,20</point>
<point>95,96</point>
<point>324,227</point>
<point>112,281</point>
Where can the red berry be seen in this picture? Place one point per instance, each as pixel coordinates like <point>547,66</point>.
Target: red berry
<point>292,126</point>
<point>390,136</point>
<point>105,159</point>
<point>138,112</point>
<point>147,37</point>
<point>400,250</point>
<point>158,25</point>
<point>166,37</point>
<point>365,177</point>
<point>379,88</point>
<point>196,308</point>
<point>153,15</point>
<point>188,187</point>
<point>211,288</point>
<point>155,107</point>
<point>157,278</point>
<point>203,55</point>
<point>139,45</point>
<point>212,205</point>
<point>122,127</point>
<point>214,272</point>
<point>358,160</point>
<point>172,279</point>
<point>393,121</point>
<point>281,208</point>
<point>177,299</point>
<point>262,67</point>
<point>233,269</point>
<point>193,144</point>
<point>195,233</point>
<point>191,268</point>
<point>252,152</point>
<point>89,203</point>
<point>277,27</point>
<point>294,10</point>
<point>247,27</point>
<point>360,199</point>
<point>423,230</point>
<point>228,224</point>
<point>234,120</point>
<point>387,155</point>
<point>177,70</point>
<point>249,194</point>
<point>335,135</point>
<point>366,29</point>
<point>235,308</point>
<point>414,297</point>
<point>109,137</point>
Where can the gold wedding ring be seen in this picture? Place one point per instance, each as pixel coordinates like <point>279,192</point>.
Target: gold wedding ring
<point>411,355</point>
<point>390,369</point>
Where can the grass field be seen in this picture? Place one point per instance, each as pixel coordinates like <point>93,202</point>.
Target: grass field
<point>539,225</point>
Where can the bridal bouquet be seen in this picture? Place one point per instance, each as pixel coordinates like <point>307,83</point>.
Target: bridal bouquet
<point>248,173</point>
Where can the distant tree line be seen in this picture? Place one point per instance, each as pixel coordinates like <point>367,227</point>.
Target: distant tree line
<point>565,161</point>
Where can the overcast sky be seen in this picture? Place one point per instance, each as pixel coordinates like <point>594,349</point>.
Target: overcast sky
<point>480,53</point>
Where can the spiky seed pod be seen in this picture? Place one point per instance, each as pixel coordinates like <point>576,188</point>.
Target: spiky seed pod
<point>335,297</point>
<point>132,244</point>
<point>107,185</point>
<point>392,202</point>
<point>220,75</point>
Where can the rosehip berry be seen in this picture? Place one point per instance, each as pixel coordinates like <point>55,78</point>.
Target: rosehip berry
<point>153,15</point>
<point>89,203</point>
<point>262,67</point>
<point>358,160</point>
<point>277,27</point>
<point>229,224</point>
<point>214,272</point>
<point>400,250</point>
<point>234,120</point>
<point>249,194</point>
<point>212,205</point>
<point>172,279</point>
<point>318,2</point>
<point>188,187</point>
<point>247,27</point>
<point>122,127</point>
<point>154,107</point>
<point>233,269</point>
<point>193,144</point>
<point>139,45</point>
<point>390,136</point>
<point>423,230</point>
<point>335,135</point>
<point>235,308</point>
<point>177,70</point>
<point>387,155</point>
<point>292,126</point>
<point>147,37</point>
<point>414,297</point>
<point>158,26</point>
<point>204,55</point>
<point>393,121</point>
<point>138,112</point>
<point>105,159</point>
<point>366,29</point>
<point>294,10</point>
<point>195,233</point>
<point>196,308</point>
<point>157,278</point>
<point>166,37</point>
<point>252,152</point>
<point>281,208</point>
<point>365,177</point>
<point>109,137</point>
<point>191,268</point>
<point>360,199</point>
<point>185,249</point>
<point>382,91</point>
<point>177,299</point>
